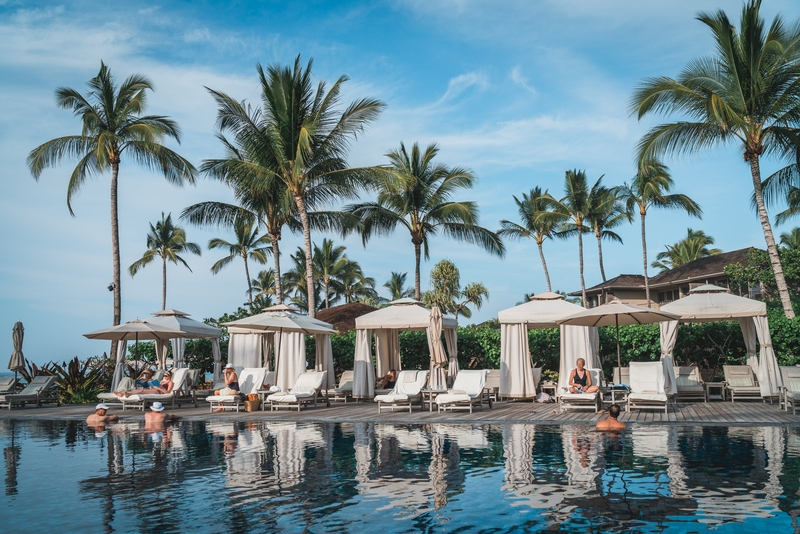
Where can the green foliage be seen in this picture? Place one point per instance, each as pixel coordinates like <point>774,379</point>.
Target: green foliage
<point>79,382</point>
<point>758,270</point>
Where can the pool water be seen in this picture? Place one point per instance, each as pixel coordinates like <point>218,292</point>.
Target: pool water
<point>358,477</point>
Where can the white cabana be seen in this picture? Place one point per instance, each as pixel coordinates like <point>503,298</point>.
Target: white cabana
<point>386,323</point>
<point>710,303</point>
<point>192,329</point>
<point>542,311</point>
<point>253,338</point>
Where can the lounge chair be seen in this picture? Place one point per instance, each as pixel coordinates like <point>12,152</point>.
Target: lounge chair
<point>491,387</point>
<point>251,379</point>
<point>741,382</point>
<point>791,387</point>
<point>583,401</point>
<point>38,391</point>
<point>647,386</point>
<point>689,383</point>
<point>142,401</point>
<point>344,390</point>
<point>467,391</point>
<point>7,384</point>
<point>305,391</point>
<point>406,390</point>
<point>622,375</point>
<point>126,384</point>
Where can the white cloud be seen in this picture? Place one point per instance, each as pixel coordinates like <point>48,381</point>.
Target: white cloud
<point>522,81</point>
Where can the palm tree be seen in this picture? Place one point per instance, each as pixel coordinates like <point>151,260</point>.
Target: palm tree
<point>416,194</point>
<point>692,247</point>
<point>748,92</point>
<point>329,262</point>
<point>791,240</point>
<point>165,241</point>
<point>540,221</point>
<point>294,281</point>
<point>264,283</point>
<point>248,245</point>
<point>575,208</point>
<point>648,189</point>
<point>249,171</point>
<point>112,125</point>
<point>396,285</point>
<point>354,285</point>
<point>606,211</point>
<point>306,138</point>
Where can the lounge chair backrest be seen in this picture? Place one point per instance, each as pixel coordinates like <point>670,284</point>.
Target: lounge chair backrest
<point>308,382</point>
<point>470,382</point>
<point>791,378</point>
<point>193,377</point>
<point>739,375</point>
<point>39,383</point>
<point>346,380</point>
<point>251,379</point>
<point>688,376</point>
<point>647,377</point>
<point>492,378</point>
<point>537,377</point>
<point>158,375</point>
<point>179,377</point>
<point>410,382</point>
<point>7,383</point>
<point>622,375</point>
<point>269,378</point>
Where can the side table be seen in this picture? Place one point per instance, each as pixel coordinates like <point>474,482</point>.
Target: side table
<point>431,395</point>
<point>618,396</point>
<point>719,387</point>
<point>550,389</point>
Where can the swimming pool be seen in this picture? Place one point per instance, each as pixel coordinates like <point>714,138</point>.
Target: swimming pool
<point>292,477</point>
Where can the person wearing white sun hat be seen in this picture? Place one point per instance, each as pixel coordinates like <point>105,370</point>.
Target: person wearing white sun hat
<point>156,416</point>
<point>100,415</point>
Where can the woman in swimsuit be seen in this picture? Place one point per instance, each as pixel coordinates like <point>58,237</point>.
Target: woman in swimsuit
<point>580,380</point>
<point>163,388</point>
<point>231,382</point>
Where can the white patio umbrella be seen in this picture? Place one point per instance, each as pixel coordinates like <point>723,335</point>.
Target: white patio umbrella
<point>616,313</point>
<point>132,331</point>
<point>17,361</point>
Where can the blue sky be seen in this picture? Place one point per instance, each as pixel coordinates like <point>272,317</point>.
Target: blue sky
<point>519,92</point>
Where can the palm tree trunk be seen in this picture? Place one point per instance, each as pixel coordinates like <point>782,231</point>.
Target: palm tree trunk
<point>327,305</point>
<point>417,252</point>
<point>115,252</point>
<point>164,285</point>
<point>580,254</point>
<point>544,265</point>
<point>772,249</point>
<point>643,213</point>
<point>249,283</point>
<point>276,254</point>
<point>301,208</point>
<point>600,254</point>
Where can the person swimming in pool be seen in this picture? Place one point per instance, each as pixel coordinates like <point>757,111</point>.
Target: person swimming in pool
<point>611,423</point>
<point>580,380</point>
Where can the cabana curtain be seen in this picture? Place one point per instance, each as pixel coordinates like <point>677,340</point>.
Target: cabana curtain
<point>324,360</point>
<point>576,342</point>
<point>363,370</point>
<point>291,361</point>
<point>119,368</point>
<point>516,373</point>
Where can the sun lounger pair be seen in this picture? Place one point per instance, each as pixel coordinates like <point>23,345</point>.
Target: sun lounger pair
<point>406,390</point>
<point>306,390</point>
<point>38,391</point>
<point>467,392</point>
<point>251,379</point>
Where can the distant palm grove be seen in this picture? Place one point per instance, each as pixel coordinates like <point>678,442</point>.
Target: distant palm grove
<point>286,163</point>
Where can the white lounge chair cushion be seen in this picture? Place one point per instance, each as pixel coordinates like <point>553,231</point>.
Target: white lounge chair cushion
<point>647,397</point>
<point>150,397</point>
<point>391,398</point>
<point>288,397</point>
<point>741,381</point>
<point>470,382</point>
<point>793,386</point>
<point>569,397</point>
<point>222,398</point>
<point>453,398</point>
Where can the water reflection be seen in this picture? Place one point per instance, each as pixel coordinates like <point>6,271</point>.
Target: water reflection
<point>343,477</point>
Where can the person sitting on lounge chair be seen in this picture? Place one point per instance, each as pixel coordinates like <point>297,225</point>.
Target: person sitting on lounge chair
<point>231,382</point>
<point>145,381</point>
<point>611,423</point>
<point>580,381</point>
<point>100,416</point>
<point>162,389</point>
<point>388,380</point>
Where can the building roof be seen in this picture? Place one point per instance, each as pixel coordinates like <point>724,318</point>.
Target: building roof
<point>618,282</point>
<point>702,268</point>
<point>343,317</point>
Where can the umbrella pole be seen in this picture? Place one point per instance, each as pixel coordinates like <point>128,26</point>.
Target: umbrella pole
<point>619,360</point>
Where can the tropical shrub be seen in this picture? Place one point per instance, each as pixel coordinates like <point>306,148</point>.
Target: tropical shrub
<point>79,382</point>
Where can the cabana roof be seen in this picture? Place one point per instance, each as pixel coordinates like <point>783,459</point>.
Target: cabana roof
<point>542,311</point>
<point>713,303</point>
<point>402,314</point>
<point>180,321</point>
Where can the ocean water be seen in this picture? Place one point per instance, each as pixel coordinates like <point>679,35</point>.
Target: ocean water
<point>290,477</point>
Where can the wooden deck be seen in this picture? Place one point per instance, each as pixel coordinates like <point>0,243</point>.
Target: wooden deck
<point>751,413</point>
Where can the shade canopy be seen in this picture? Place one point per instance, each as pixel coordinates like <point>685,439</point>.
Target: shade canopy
<point>713,303</point>
<point>617,313</point>
<point>402,314</point>
<point>181,321</point>
<point>136,330</point>
<point>542,311</point>
<point>281,321</point>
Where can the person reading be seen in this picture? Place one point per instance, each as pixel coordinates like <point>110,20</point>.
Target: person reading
<point>145,381</point>
<point>388,380</point>
<point>580,380</point>
<point>611,423</point>
<point>162,389</point>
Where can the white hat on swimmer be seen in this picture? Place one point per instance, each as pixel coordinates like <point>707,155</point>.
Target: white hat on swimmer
<point>157,407</point>
<point>101,406</point>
